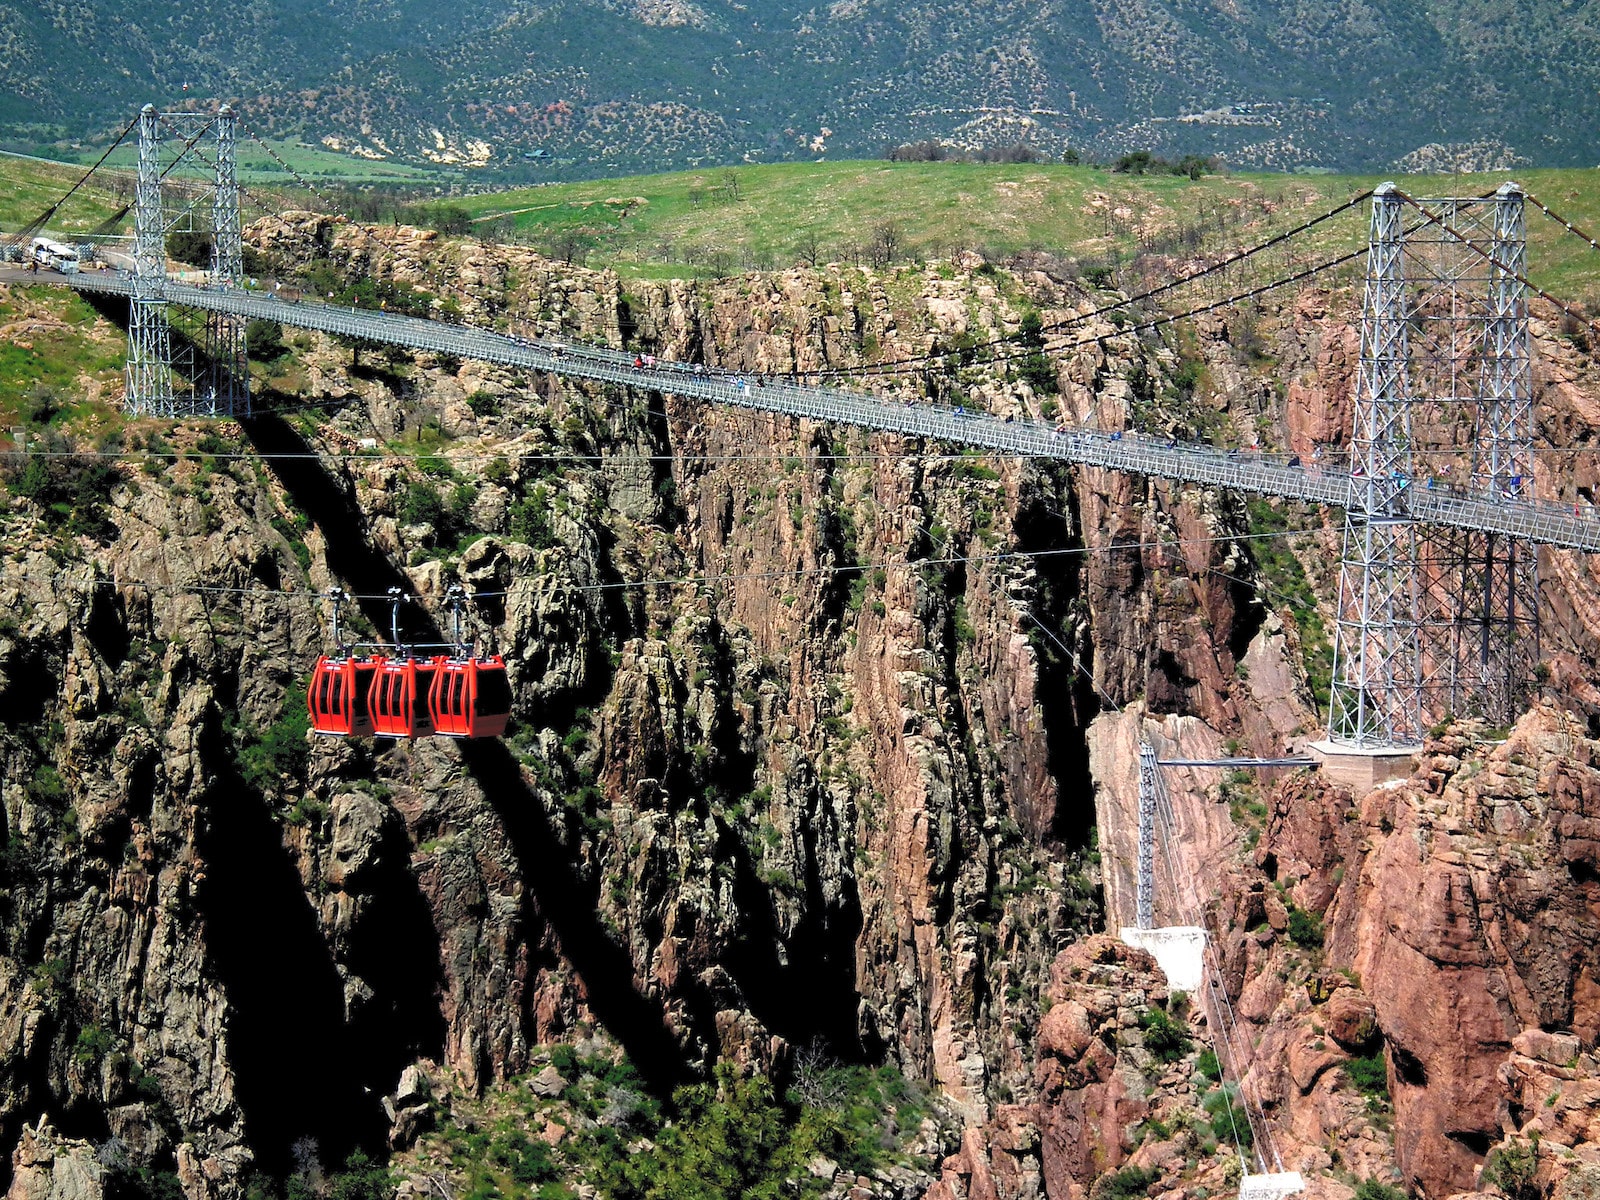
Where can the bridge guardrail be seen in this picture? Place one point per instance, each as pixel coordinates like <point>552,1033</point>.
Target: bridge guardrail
<point>1534,521</point>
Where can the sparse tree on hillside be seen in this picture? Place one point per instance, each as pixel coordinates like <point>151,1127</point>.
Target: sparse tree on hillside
<point>808,247</point>
<point>569,246</point>
<point>885,245</point>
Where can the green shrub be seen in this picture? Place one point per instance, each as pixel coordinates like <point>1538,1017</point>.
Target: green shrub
<point>93,1045</point>
<point>422,505</point>
<point>191,246</point>
<point>124,1182</point>
<point>1369,1074</point>
<point>1229,1121</point>
<point>733,1138</point>
<point>281,749</point>
<point>1168,1040</point>
<point>1305,929</point>
<point>1208,1066</point>
<point>1126,1184</point>
<point>1513,1169</point>
<point>46,786</point>
<point>72,492</point>
<point>263,340</point>
<point>1371,1189</point>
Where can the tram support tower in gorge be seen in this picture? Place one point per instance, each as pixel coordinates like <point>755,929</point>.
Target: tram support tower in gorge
<point>204,371</point>
<point>1434,622</point>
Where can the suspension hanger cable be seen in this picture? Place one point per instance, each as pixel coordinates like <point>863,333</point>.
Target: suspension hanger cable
<point>39,221</point>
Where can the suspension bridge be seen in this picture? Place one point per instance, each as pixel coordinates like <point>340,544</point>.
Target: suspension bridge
<point>1438,596</point>
<point>1438,601</point>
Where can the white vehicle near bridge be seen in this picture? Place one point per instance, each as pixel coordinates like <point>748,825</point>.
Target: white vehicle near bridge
<point>58,256</point>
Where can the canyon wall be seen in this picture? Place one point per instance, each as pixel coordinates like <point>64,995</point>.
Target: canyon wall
<point>849,775</point>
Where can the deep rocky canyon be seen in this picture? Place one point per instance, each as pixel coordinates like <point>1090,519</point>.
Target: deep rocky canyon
<point>848,778</point>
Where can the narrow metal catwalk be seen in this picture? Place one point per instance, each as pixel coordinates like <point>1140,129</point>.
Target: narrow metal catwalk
<point>1267,475</point>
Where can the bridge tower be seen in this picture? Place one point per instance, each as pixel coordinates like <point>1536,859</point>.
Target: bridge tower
<point>179,373</point>
<point>1432,621</point>
<point>149,372</point>
<point>1375,700</point>
<point>1497,607</point>
<point>224,341</point>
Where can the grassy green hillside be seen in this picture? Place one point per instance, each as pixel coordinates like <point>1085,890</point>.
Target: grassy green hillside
<point>28,186</point>
<point>763,216</point>
<point>755,217</point>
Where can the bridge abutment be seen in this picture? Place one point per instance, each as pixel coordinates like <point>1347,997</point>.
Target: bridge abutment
<point>1363,768</point>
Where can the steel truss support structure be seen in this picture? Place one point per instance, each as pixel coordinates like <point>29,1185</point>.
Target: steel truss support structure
<point>1435,621</point>
<point>1149,781</point>
<point>224,346</point>
<point>1495,613</point>
<point>149,371</point>
<point>206,371</point>
<point>1375,699</point>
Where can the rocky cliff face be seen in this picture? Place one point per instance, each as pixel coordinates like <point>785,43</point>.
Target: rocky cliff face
<point>832,781</point>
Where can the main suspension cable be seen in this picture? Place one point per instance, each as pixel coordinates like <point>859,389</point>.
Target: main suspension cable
<point>1466,241</point>
<point>1560,220</point>
<point>1128,302</point>
<point>38,222</point>
<point>906,366</point>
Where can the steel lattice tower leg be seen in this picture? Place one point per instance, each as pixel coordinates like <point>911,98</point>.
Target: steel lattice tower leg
<point>225,342</point>
<point>149,373</point>
<point>1145,915</point>
<point>1377,665</point>
<point>1499,618</point>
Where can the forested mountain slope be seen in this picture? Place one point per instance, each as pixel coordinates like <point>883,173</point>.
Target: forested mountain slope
<point>599,85</point>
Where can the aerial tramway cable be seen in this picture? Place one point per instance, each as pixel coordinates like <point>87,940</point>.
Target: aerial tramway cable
<point>703,580</point>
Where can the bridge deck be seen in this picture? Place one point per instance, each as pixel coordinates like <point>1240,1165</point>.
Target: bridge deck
<point>1533,521</point>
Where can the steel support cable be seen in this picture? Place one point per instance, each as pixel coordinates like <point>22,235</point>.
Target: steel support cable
<point>1164,807</point>
<point>727,577</point>
<point>1559,219</point>
<point>1138,298</point>
<point>1489,258</point>
<point>38,221</point>
<point>1205,466</point>
<point>369,230</point>
<point>900,367</point>
<point>1220,265</point>
<point>1227,1019</point>
<point>290,171</point>
<point>1228,1028</point>
<point>1220,1036</point>
<point>1228,1060</point>
<point>266,209</point>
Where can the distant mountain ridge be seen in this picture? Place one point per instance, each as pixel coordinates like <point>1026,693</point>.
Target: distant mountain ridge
<point>579,87</point>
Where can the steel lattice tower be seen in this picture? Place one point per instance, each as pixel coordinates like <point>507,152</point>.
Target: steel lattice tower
<point>211,360</point>
<point>149,372</point>
<point>1497,620</point>
<point>1145,914</point>
<point>1375,698</point>
<point>1436,621</point>
<point>229,368</point>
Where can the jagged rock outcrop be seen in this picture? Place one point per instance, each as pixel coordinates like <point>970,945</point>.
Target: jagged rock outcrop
<point>832,780</point>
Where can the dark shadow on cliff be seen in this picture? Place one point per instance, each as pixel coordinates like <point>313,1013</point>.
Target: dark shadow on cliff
<point>807,995</point>
<point>570,906</point>
<point>556,895</point>
<point>295,1069</point>
<point>1066,695</point>
<point>393,945</point>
